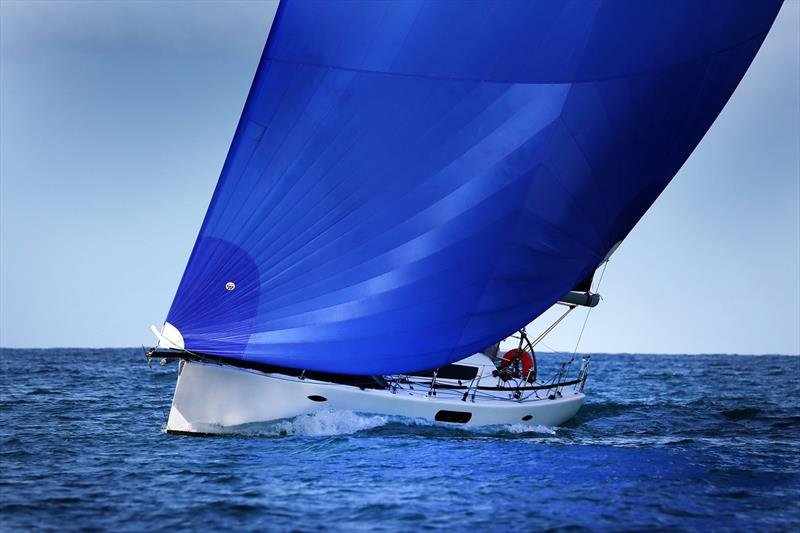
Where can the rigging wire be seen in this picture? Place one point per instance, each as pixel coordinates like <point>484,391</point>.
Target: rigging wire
<point>161,407</point>
<point>586,319</point>
<point>552,326</point>
<point>548,347</point>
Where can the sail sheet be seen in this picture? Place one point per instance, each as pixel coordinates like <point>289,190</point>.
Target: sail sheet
<point>411,181</point>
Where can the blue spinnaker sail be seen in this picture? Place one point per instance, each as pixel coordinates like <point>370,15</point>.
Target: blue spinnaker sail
<point>411,181</point>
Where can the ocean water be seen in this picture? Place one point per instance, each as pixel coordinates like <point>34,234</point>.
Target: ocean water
<point>691,442</point>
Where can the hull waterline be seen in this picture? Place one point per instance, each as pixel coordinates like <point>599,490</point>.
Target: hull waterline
<point>212,398</point>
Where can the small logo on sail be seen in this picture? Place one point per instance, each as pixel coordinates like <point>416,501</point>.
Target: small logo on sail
<point>230,285</point>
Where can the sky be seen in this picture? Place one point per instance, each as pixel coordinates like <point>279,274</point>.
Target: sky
<point>115,119</point>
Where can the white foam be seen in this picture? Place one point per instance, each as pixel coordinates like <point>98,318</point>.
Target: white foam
<point>327,423</point>
<point>527,428</point>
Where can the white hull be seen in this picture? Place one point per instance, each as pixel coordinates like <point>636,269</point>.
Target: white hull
<point>212,398</point>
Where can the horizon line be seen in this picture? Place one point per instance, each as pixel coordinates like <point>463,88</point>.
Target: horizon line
<point>764,354</point>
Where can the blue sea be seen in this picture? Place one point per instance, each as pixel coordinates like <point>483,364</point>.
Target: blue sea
<point>693,442</point>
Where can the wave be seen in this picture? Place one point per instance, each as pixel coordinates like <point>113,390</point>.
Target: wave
<point>744,413</point>
<point>329,423</point>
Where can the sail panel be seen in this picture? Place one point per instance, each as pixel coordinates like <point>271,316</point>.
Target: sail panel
<point>411,181</point>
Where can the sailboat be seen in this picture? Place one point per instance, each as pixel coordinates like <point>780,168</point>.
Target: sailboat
<point>412,182</point>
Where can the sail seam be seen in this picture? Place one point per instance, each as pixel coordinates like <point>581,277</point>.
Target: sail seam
<point>758,36</point>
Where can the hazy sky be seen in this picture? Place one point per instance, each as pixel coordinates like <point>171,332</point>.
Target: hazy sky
<point>115,119</point>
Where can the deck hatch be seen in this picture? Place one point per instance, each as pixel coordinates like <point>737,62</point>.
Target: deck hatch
<point>462,372</point>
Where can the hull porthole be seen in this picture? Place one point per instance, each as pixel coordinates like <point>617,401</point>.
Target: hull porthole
<point>317,398</point>
<point>527,417</point>
<point>456,417</point>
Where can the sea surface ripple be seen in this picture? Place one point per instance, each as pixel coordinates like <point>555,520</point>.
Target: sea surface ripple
<point>690,442</point>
